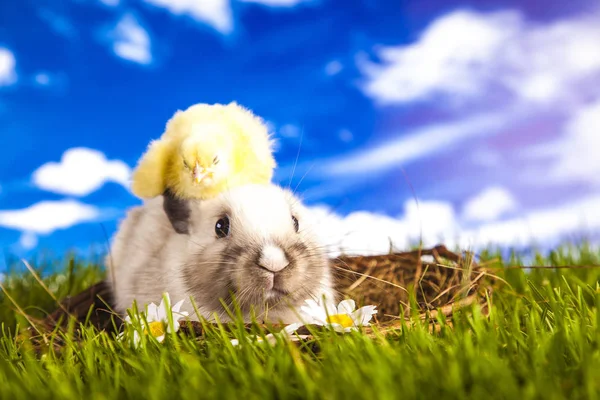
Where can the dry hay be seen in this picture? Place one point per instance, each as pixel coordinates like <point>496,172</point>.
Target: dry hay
<point>440,279</point>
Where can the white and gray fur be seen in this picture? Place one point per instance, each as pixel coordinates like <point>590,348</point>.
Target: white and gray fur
<point>170,245</point>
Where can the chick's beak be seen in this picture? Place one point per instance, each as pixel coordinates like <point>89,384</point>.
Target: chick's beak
<point>201,173</point>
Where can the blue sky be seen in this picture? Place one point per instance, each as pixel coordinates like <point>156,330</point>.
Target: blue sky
<point>488,109</point>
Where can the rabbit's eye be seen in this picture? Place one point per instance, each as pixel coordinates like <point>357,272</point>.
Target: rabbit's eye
<point>222,227</point>
<point>296,224</point>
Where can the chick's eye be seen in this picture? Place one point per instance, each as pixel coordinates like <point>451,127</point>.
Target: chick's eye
<point>222,227</point>
<point>296,224</point>
<point>185,164</point>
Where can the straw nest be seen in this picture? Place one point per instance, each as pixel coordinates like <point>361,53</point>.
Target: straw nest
<point>440,280</point>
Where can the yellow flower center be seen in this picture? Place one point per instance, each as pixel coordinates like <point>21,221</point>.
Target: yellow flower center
<point>157,328</point>
<point>343,319</point>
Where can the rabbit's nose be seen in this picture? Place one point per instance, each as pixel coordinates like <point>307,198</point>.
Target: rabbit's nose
<point>273,259</point>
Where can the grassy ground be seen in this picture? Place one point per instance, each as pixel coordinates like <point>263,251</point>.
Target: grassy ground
<point>540,340</point>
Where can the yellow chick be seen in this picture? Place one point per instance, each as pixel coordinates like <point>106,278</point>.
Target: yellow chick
<point>205,150</point>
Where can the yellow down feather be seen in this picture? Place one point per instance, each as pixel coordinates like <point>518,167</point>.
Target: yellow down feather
<point>228,141</point>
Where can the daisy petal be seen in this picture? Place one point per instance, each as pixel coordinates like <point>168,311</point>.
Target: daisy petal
<point>346,307</point>
<point>305,318</point>
<point>318,321</point>
<point>313,313</point>
<point>180,315</point>
<point>175,327</point>
<point>363,315</point>
<point>161,312</point>
<point>330,309</point>
<point>312,304</point>
<point>291,328</point>
<point>152,313</point>
<point>306,310</point>
<point>337,327</point>
<point>177,306</point>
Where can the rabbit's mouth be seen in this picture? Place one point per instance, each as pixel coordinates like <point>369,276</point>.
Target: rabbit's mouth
<point>275,288</point>
<point>276,293</point>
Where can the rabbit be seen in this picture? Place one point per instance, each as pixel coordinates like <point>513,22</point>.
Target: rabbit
<point>253,243</point>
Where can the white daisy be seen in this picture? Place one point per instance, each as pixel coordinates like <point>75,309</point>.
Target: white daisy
<point>158,320</point>
<point>343,318</point>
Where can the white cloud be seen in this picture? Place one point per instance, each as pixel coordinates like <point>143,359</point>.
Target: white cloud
<point>110,3</point>
<point>60,24</point>
<point>277,3</point>
<point>434,219</point>
<point>54,81</point>
<point>80,172</point>
<point>216,13</point>
<point>289,131</point>
<point>333,68</point>
<point>42,79</point>
<point>412,146</point>
<point>573,155</point>
<point>359,233</point>
<point>407,147</point>
<point>486,157</point>
<point>365,233</point>
<point>542,226</point>
<point>131,41</point>
<point>345,135</point>
<point>28,240</point>
<point>8,75</point>
<point>489,205</point>
<point>2,277</point>
<point>47,216</point>
<point>465,53</point>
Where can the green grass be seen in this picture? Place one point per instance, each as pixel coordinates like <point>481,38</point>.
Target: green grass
<point>540,340</point>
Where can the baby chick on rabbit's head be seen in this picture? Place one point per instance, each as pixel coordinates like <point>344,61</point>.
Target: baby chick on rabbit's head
<point>206,155</point>
<point>205,150</point>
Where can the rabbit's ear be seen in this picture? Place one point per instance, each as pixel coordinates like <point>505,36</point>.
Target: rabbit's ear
<point>178,212</point>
